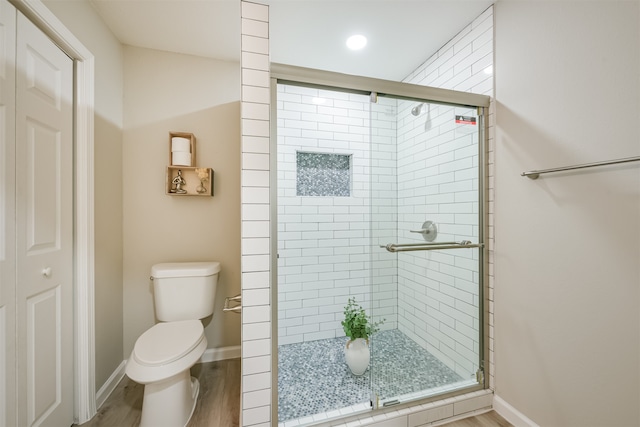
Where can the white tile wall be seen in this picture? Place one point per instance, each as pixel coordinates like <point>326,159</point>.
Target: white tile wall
<point>491,236</point>
<point>256,311</point>
<point>465,63</point>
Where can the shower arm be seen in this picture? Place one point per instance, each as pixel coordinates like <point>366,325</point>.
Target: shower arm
<point>405,247</point>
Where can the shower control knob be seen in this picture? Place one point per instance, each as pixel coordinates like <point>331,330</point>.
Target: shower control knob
<point>429,231</point>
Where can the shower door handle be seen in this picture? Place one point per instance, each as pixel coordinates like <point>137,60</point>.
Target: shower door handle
<point>405,247</point>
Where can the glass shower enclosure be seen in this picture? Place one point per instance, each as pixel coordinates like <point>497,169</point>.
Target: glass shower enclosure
<point>379,200</point>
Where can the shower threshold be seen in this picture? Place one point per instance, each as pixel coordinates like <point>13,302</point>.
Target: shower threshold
<point>315,384</point>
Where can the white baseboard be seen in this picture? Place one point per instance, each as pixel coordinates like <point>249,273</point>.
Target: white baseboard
<point>110,385</point>
<point>222,353</point>
<point>511,414</point>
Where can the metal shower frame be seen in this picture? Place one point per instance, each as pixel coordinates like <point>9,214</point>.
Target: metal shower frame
<point>307,77</point>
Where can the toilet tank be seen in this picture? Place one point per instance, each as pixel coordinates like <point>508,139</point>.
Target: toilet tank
<point>184,290</point>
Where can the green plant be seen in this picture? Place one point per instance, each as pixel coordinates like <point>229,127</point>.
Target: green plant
<point>356,323</point>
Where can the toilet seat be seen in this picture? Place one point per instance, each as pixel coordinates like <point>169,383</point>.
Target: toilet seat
<point>161,356</point>
<point>164,343</point>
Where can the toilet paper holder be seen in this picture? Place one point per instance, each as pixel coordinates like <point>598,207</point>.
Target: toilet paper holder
<point>235,308</point>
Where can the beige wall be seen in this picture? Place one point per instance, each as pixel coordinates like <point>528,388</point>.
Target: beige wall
<point>167,92</point>
<point>567,246</point>
<point>82,20</point>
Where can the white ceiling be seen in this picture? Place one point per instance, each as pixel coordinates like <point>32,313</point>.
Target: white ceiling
<point>402,34</point>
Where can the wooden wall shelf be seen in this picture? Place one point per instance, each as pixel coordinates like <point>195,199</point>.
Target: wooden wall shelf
<point>195,181</point>
<point>192,181</point>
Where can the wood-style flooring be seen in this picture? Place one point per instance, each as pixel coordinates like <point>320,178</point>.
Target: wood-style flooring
<point>488,419</point>
<point>218,403</point>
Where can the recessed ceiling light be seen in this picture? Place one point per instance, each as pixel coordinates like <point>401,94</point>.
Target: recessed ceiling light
<point>356,42</point>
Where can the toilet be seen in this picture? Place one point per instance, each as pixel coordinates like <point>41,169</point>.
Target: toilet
<point>184,293</point>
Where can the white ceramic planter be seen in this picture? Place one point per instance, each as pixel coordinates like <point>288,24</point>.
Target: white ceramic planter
<point>357,355</point>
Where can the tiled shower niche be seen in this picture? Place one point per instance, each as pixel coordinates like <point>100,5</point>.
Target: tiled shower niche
<point>323,174</point>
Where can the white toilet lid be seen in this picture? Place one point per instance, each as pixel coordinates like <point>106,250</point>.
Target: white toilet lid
<point>166,342</point>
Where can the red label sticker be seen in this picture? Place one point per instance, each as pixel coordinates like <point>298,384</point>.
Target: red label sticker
<point>465,120</point>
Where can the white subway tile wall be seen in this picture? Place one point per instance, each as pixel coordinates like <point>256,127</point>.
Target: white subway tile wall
<point>490,239</point>
<point>256,310</point>
<point>465,63</point>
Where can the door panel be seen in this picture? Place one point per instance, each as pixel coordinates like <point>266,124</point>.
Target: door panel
<point>42,188</point>
<point>7,215</point>
<point>44,171</point>
<point>44,362</point>
<point>432,280</point>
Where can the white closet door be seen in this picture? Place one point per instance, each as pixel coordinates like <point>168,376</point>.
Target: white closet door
<point>7,215</point>
<point>44,251</point>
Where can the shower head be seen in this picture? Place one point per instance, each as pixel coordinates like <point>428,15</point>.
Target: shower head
<point>417,109</point>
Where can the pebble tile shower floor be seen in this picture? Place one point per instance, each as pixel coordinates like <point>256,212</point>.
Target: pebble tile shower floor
<point>313,377</point>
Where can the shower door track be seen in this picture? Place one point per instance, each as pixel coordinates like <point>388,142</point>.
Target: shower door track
<point>366,85</point>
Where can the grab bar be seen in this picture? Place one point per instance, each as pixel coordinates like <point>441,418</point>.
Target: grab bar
<point>235,309</point>
<point>405,247</point>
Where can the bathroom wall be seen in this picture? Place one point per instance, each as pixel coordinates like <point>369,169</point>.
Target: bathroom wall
<point>167,92</point>
<point>82,20</point>
<point>324,239</point>
<point>438,181</point>
<point>567,292</point>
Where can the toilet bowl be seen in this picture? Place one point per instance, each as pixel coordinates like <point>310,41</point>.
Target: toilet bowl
<point>161,360</point>
<point>163,355</point>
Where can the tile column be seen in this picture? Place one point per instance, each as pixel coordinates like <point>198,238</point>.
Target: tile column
<point>256,262</point>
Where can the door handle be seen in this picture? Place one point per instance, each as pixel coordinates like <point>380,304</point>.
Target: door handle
<point>46,272</point>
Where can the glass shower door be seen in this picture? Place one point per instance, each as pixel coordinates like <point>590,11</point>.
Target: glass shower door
<point>354,176</point>
<point>323,242</point>
<point>426,254</point>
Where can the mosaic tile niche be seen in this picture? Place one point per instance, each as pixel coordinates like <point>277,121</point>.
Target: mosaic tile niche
<point>323,174</point>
